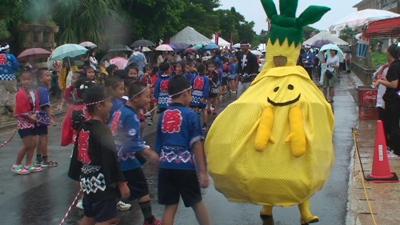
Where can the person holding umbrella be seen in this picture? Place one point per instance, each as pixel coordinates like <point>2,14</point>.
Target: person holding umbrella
<point>332,66</point>
<point>8,81</point>
<point>139,59</point>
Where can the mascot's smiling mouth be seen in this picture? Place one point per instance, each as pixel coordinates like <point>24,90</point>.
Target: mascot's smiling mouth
<point>284,103</point>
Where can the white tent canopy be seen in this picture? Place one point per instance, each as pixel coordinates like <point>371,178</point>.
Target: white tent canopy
<point>190,36</point>
<point>221,42</point>
<point>325,35</point>
<point>360,18</point>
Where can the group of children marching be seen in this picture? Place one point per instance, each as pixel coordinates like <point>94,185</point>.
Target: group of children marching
<point>105,125</point>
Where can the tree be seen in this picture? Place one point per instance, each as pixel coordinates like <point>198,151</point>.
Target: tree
<point>198,11</point>
<point>232,22</point>
<point>81,20</point>
<point>308,32</point>
<point>152,19</point>
<point>263,36</point>
<point>347,34</point>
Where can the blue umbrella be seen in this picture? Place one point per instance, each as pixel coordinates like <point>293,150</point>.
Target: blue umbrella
<point>174,47</point>
<point>320,43</point>
<point>211,46</point>
<point>68,50</point>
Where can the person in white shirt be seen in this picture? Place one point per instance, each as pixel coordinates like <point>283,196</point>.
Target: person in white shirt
<point>93,61</point>
<point>380,103</point>
<point>332,65</point>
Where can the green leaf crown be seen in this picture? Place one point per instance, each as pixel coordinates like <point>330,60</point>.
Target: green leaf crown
<point>286,25</point>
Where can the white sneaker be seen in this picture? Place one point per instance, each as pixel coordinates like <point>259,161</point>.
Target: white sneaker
<point>122,206</point>
<point>19,169</point>
<point>392,155</point>
<point>79,204</point>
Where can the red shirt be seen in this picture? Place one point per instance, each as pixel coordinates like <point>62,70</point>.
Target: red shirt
<point>25,105</point>
<point>69,94</point>
<point>68,134</point>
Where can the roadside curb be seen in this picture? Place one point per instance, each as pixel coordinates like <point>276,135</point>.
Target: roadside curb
<point>352,82</point>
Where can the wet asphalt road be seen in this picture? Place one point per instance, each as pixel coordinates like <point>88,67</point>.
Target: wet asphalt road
<point>43,198</point>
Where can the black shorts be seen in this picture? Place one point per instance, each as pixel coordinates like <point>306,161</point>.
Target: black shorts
<point>137,183</point>
<point>102,210</point>
<point>224,81</point>
<point>174,183</point>
<point>212,95</point>
<point>40,130</point>
<point>27,132</point>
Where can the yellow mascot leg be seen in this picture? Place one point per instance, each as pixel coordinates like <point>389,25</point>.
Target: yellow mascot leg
<point>306,215</point>
<point>266,212</point>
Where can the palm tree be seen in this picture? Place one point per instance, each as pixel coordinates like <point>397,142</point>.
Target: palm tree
<point>81,20</point>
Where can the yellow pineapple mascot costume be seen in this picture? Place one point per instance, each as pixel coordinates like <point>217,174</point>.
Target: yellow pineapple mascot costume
<point>279,150</point>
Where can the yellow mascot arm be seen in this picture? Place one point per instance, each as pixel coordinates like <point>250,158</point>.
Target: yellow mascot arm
<point>264,130</point>
<point>297,136</point>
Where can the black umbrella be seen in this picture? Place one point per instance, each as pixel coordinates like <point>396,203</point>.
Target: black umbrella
<point>346,49</point>
<point>143,43</point>
<point>120,48</point>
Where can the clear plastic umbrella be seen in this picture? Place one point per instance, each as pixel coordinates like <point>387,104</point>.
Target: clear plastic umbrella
<point>331,47</point>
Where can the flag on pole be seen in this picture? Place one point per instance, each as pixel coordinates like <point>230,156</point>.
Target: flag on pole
<point>231,40</point>
<point>217,34</point>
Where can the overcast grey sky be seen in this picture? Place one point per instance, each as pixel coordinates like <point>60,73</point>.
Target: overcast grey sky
<point>252,10</point>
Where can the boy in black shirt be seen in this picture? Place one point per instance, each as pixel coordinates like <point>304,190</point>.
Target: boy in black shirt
<point>94,161</point>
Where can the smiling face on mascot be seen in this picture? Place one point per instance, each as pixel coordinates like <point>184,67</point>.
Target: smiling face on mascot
<point>279,151</point>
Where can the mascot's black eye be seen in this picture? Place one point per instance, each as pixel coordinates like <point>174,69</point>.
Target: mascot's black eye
<point>290,87</point>
<point>276,89</point>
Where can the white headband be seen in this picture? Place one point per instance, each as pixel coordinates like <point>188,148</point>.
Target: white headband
<point>5,48</point>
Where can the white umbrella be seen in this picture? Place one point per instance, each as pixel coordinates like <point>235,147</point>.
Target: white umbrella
<point>360,18</point>
<point>331,47</point>
<point>325,35</point>
<point>164,48</point>
<point>88,44</point>
<point>146,49</point>
<point>256,52</point>
<point>237,45</point>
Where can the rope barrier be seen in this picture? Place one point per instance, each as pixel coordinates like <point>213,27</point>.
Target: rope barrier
<point>357,153</point>
<point>9,139</point>
<point>55,124</point>
<point>70,207</point>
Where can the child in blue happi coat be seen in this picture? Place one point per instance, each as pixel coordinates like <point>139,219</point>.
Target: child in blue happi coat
<point>131,148</point>
<point>161,88</point>
<point>201,89</point>
<point>179,143</point>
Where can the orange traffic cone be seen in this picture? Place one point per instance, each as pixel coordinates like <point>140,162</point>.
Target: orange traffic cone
<point>381,172</point>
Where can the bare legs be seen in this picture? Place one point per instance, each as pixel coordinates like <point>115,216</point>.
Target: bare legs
<point>28,149</point>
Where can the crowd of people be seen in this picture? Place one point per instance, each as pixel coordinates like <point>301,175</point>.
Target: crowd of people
<point>105,122</point>
<point>324,67</point>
